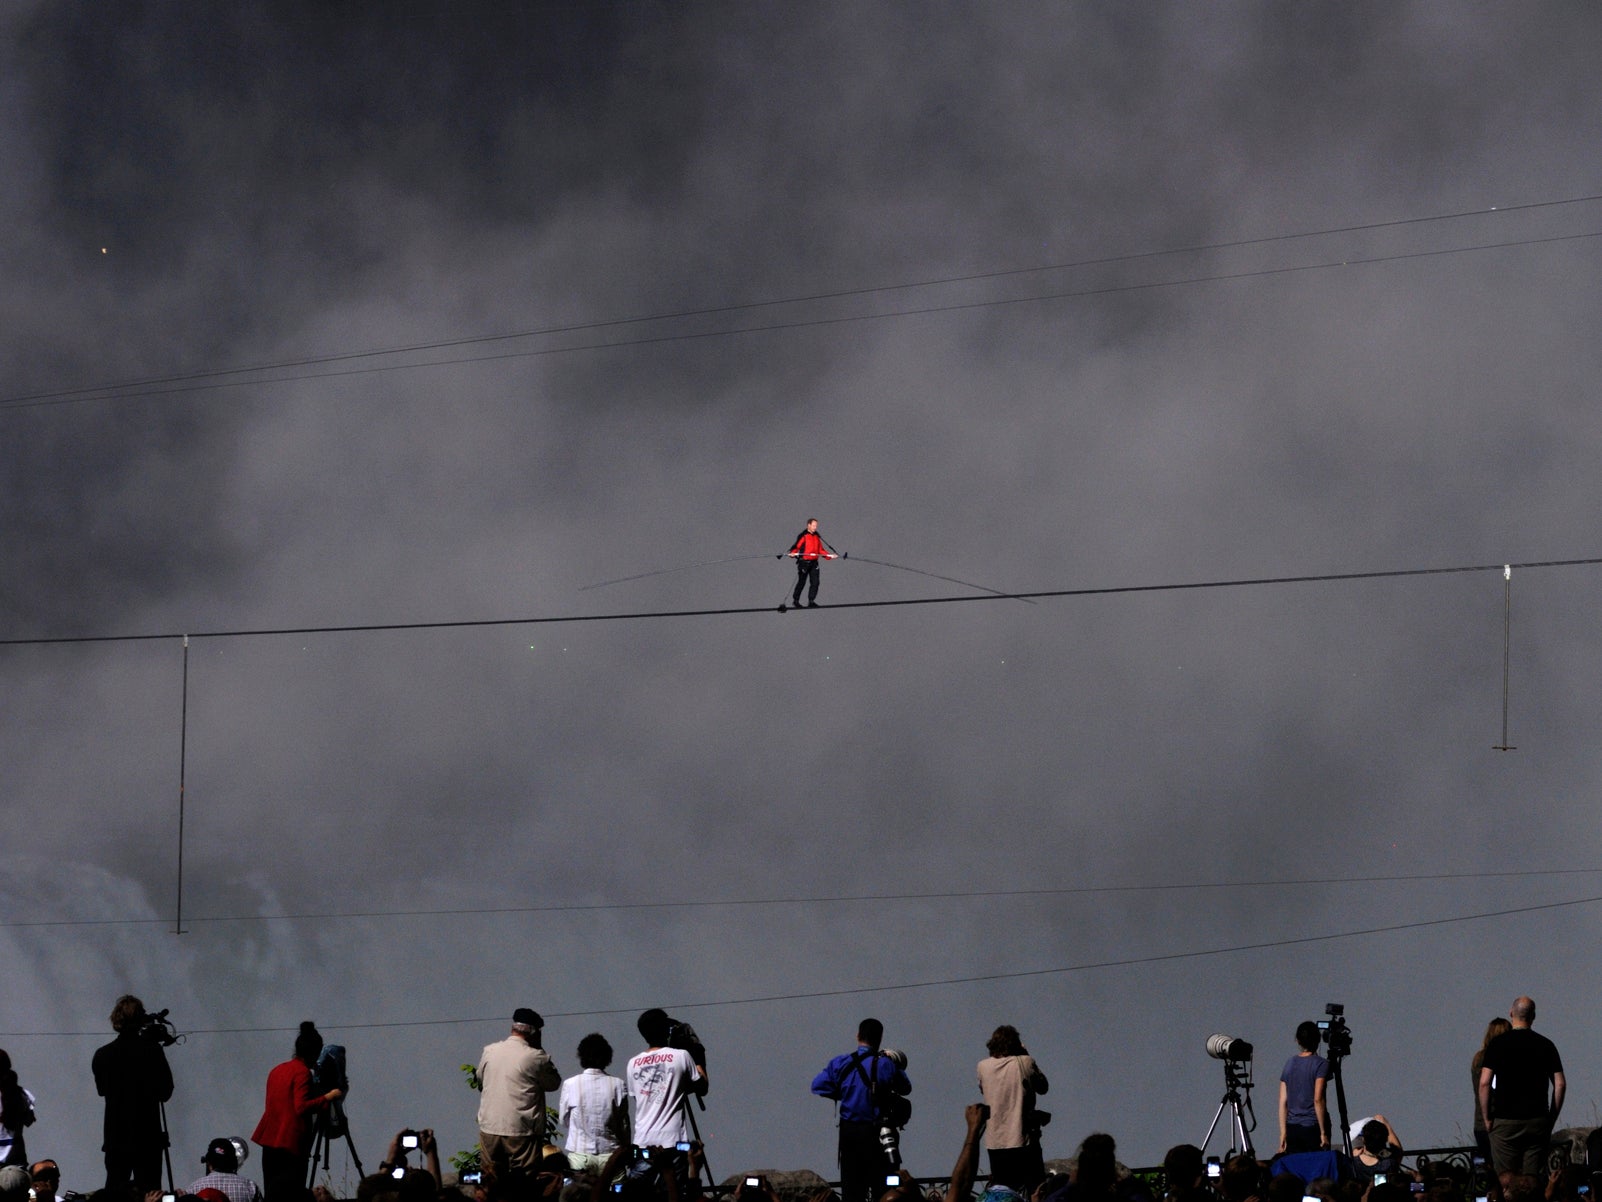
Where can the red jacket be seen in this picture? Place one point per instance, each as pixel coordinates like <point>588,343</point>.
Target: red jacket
<point>287,1121</point>
<point>810,546</point>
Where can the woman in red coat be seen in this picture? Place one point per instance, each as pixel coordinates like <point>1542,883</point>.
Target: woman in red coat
<point>285,1130</point>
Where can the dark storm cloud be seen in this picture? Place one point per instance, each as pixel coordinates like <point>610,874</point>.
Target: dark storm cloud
<point>159,121</point>
<point>136,519</point>
<point>237,167</point>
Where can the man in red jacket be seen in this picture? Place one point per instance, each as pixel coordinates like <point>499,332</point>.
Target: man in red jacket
<point>807,549</point>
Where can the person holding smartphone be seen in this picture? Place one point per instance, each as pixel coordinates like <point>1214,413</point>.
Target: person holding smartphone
<point>1378,1153</point>
<point>395,1164</point>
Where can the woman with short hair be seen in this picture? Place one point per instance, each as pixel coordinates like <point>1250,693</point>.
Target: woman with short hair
<point>1303,1112</point>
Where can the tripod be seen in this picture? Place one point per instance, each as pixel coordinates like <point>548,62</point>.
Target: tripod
<point>695,1128</point>
<point>1335,1059</point>
<point>166,1147</point>
<point>1237,1076</point>
<point>328,1126</point>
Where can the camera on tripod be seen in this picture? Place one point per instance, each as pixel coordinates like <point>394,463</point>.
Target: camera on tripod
<point>1227,1047</point>
<point>1237,1102</point>
<point>682,1036</point>
<point>1337,1035</point>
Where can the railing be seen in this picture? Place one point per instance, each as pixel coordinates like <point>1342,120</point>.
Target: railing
<point>1460,1160</point>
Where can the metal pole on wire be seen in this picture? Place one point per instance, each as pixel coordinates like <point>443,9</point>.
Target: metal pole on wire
<point>183,749</point>
<point>1507,640</point>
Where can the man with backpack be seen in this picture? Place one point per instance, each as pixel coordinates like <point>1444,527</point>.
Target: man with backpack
<point>871,1091</point>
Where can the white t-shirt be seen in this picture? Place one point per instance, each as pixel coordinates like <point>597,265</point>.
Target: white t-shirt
<point>659,1083</point>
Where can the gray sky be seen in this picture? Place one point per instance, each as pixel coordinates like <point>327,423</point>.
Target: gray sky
<point>197,187</point>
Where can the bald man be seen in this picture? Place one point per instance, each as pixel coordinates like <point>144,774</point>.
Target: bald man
<point>1521,1093</point>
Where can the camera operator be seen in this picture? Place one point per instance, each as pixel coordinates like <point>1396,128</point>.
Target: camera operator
<point>514,1074</point>
<point>864,1083</point>
<point>132,1074</point>
<point>285,1132</point>
<point>661,1081</point>
<point>1010,1081</point>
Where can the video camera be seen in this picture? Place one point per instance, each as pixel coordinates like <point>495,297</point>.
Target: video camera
<point>159,1030</point>
<point>1337,1035</point>
<point>682,1036</point>
<point>327,1075</point>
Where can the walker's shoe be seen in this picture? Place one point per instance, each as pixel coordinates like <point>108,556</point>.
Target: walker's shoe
<point>813,605</point>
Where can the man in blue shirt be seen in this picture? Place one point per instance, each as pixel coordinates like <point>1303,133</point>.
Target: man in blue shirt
<point>864,1082</point>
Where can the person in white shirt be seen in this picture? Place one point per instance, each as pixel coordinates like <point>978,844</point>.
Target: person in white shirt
<point>594,1108</point>
<point>661,1080</point>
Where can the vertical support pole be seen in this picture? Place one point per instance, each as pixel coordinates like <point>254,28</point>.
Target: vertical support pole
<point>183,750</point>
<point>1507,641</point>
